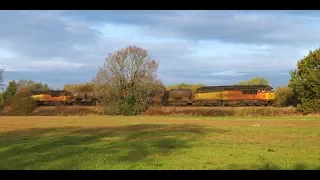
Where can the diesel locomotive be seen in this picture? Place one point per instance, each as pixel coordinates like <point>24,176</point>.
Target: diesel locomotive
<point>237,95</point>
<point>55,97</point>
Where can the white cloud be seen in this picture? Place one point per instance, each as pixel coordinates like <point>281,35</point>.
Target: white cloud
<point>228,73</point>
<point>54,64</point>
<point>46,65</point>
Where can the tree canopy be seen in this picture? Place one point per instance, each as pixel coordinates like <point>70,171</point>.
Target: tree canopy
<point>254,81</point>
<point>79,87</point>
<point>126,81</point>
<point>193,87</point>
<point>31,85</point>
<point>305,82</point>
<point>1,78</point>
<point>10,92</point>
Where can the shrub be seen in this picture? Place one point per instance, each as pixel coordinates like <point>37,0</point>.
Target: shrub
<point>221,111</point>
<point>22,104</point>
<point>285,96</point>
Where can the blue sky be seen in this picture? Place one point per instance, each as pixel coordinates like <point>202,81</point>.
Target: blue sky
<point>209,47</point>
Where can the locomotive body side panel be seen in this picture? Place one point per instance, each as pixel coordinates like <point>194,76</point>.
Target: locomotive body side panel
<point>44,97</point>
<point>234,95</point>
<point>208,96</point>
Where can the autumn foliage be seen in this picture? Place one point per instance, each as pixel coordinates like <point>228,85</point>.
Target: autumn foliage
<point>79,87</point>
<point>192,87</point>
<point>22,104</point>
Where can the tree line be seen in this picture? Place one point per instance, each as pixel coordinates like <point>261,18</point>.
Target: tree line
<point>128,81</point>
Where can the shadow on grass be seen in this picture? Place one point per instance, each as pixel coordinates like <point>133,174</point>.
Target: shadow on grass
<point>95,148</point>
<point>266,165</point>
<point>296,166</point>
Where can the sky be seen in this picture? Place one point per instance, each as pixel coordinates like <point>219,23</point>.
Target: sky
<point>208,47</point>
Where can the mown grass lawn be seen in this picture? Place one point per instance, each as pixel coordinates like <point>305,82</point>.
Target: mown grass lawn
<point>159,143</point>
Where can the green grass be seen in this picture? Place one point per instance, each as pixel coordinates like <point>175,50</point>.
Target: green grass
<point>159,143</point>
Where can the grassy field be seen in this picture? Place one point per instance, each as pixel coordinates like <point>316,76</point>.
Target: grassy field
<point>153,142</point>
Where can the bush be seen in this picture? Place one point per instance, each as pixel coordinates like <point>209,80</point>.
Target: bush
<point>311,106</point>
<point>285,97</point>
<point>111,109</point>
<point>22,104</point>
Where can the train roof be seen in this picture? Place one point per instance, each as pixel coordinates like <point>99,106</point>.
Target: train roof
<point>238,86</point>
<point>234,87</point>
<point>50,92</point>
<point>186,89</point>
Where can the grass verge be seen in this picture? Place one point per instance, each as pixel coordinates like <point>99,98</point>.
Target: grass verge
<point>222,111</point>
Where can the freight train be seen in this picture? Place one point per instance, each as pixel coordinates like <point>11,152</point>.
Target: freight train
<point>237,95</point>
<point>55,97</point>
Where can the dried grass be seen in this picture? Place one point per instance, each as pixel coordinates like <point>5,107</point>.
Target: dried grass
<point>222,111</point>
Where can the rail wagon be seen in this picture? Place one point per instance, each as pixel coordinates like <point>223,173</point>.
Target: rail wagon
<point>84,97</point>
<point>178,97</point>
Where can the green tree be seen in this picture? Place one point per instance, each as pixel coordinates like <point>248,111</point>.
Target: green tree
<point>254,81</point>
<point>1,101</point>
<point>1,87</point>
<point>126,81</point>
<point>305,82</point>
<point>193,87</point>
<point>40,86</point>
<point>9,92</point>
<point>1,79</point>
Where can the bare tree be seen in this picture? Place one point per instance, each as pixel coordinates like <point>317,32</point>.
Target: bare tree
<point>126,80</point>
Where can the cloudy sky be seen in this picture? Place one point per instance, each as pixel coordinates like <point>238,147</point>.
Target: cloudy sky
<point>209,47</point>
